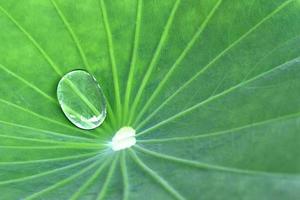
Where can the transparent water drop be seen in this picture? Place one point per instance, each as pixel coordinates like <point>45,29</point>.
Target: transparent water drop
<point>81,99</point>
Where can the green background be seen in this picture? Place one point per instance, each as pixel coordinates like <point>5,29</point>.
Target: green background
<point>211,86</point>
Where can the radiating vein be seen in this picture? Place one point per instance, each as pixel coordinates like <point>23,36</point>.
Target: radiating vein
<point>43,117</point>
<point>44,140</point>
<point>46,132</point>
<point>225,92</point>
<point>49,172</point>
<point>29,84</point>
<point>76,41</point>
<point>63,182</point>
<point>133,57</point>
<point>103,191</point>
<point>223,132</point>
<point>33,41</point>
<point>90,180</point>
<point>155,176</point>
<point>180,58</point>
<point>203,165</point>
<point>40,91</point>
<point>112,57</point>
<point>73,35</point>
<point>202,70</point>
<point>154,60</point>
<point>124,175</point>
<point>33,86</point>
<point>41,50</point>
<point>40,161</point>
<point>111,114</point>
<point>48,59</point>
<point>276,48</point>
<point>77,146</point>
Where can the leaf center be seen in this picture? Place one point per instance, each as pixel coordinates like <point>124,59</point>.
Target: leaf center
<point>124,138</point>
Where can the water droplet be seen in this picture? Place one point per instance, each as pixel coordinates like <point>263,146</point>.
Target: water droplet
<point>81,99</point>
<point>124,138</point>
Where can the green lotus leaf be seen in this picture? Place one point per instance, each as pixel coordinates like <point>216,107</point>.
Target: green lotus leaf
<point>211,87</point>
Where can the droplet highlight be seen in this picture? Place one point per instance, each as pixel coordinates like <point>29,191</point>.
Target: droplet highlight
<point>81,99</point>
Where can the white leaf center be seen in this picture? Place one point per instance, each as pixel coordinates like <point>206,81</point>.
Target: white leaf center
<point>124,138</point>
